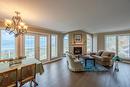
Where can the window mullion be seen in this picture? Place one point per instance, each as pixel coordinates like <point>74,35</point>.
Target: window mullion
<point>37,47</point>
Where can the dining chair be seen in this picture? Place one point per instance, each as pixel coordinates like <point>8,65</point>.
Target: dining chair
<point>8,78</point>
<point>28,74</point>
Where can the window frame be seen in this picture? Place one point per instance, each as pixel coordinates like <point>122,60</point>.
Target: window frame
<point>20,44</point>
<point>16,45</point>
<point>64,43</point>
<point>117,44</point>
<point>37,44</point>
<point>53,57</point>
<point>31,34</point>
<point>87,42</point>
<point>128,44</point>
<point>41,35</point>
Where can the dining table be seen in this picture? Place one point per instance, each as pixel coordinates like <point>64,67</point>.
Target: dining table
<point>5,66</point>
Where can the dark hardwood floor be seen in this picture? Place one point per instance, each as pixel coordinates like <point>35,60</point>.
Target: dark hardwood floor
<point>57,75</point>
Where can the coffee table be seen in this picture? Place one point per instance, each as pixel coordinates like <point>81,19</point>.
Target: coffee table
<point>86,58</point>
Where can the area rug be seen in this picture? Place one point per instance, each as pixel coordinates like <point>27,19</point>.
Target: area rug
<point>97,68</point>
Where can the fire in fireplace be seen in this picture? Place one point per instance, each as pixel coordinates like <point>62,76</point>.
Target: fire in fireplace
<point>77,50</point>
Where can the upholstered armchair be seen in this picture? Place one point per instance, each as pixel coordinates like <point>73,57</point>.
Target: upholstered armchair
<point>73,63</point>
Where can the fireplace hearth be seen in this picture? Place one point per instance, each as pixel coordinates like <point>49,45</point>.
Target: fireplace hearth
<point>77,50</point>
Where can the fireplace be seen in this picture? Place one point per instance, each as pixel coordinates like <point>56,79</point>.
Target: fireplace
<point>77,50</point>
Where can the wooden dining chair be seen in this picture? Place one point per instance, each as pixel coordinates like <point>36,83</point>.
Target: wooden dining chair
<point>28,74</point>
<point>8,78</point>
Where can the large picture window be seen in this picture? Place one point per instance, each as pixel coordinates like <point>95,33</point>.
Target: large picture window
<point>110,43</point>
<point>8,49</point>
<point>123,46</point>
<point>30,46</point>
<point>119,44</point>
<point>54,46</point>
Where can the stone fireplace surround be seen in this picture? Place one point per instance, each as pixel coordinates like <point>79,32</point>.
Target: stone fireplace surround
<point>72,44</point>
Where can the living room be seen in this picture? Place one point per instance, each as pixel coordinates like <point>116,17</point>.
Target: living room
<point>61,43</point>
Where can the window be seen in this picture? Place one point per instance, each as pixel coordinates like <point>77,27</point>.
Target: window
<point>89,43</point>
<point>8,49</point>
<point>43,47</point>
<point>110,43</point>
<point>30,46</point>
<point>66,43</point>
<point>54,46</point>
<point>119,44</point>
<point>123,46</point>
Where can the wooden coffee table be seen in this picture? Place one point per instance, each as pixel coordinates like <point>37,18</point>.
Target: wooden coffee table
<point>86,58</point>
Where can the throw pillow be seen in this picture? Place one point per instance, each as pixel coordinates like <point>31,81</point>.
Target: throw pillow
<point>99,53</point>
<point>105,53</point>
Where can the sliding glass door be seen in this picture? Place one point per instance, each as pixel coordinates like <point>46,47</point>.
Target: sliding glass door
<point>30,46</point>
<point>43,47</point>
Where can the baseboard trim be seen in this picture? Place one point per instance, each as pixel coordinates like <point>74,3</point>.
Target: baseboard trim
<point>53,60</point>
<point>126,61</point>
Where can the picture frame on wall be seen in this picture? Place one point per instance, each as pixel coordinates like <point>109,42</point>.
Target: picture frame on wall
<point>77,38</point>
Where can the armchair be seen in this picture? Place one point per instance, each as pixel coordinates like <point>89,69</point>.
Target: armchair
<point>73,63</point>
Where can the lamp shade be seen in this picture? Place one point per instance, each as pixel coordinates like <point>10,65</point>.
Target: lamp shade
<point>116,58</point>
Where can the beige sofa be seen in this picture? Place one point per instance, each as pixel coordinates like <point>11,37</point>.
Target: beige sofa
<point>104,57</point>
<point>73,63</point>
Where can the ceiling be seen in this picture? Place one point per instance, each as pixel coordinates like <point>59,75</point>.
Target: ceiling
<point>68,15</point>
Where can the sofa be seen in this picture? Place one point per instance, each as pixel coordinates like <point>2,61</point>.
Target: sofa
<point>103,57</point>
<point>73,63</point>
